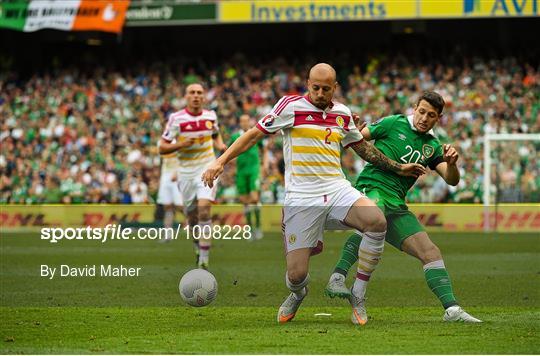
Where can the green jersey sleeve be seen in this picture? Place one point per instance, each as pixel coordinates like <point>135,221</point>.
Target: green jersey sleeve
<point>380,128</point>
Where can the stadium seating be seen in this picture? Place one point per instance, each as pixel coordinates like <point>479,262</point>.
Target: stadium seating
<point>73,138</point>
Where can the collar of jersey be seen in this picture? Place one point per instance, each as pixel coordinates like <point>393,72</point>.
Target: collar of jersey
<point>192,114</point>
<point>410,118</point>
<point>328,108</point>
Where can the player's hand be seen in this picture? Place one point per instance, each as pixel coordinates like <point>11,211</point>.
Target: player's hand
<point>221,147</point>
<point>357,121</point>
<point>187,143</point>
<point>450,154</point>
<point>412,170</point>
<point>173,177</point>
<point>212,173</point>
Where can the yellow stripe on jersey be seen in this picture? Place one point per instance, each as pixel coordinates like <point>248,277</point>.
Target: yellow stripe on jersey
<point>316,150</point>
<point>168,155</point>
<point>316,133</point>
<point>197,150</point>
<point>198,164</point>
<point>194,158</point>
<point>316,174</point>
<point>199,139</point>
<point>316,164</point>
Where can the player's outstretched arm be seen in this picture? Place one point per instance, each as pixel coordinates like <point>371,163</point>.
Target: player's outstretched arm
<point>170,147</point>
<point>242,144</point>
<point>448,169</point>
<point>371,154</point>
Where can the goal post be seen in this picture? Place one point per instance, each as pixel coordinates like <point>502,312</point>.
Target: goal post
<point>488,138</point>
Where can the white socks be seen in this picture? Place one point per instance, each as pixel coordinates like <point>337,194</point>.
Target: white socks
<point>299,291</point>
<point>204,244</point>
<point>369,254</point>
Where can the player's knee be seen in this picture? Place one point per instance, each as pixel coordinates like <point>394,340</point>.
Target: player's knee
<point>297,274</point>
<point>377,224</point>
<point>430,254</point>
<point>192,219</point>
<point>203,216</point>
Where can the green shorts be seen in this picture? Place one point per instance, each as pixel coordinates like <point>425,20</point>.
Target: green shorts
<point>247,182</point>
<point>400,221</point>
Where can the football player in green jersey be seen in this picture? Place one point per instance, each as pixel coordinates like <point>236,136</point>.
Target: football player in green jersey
<point>248,180</point>
<point>408,140</point>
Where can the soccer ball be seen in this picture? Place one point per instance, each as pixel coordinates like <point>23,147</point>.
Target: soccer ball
<point>198,287</point>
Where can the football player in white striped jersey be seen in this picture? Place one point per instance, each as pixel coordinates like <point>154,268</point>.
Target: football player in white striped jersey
<point>318,196</point>
<point>193,133</point>
<point>168,194</point>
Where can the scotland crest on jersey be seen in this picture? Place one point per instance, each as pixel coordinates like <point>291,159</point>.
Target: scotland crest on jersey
<point>340,122</point>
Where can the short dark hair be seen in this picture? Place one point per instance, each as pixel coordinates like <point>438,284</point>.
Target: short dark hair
<point>434,99</point>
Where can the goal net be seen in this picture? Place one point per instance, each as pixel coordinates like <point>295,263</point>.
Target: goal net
<point>511,173</point>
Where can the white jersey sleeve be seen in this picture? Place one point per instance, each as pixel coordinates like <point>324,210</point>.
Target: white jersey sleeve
<point>280,117</point>
<point>352,134</point>
<point>172,129</point>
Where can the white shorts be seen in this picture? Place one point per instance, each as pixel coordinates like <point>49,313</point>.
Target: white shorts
<point>168,191</point>
<point>192,189</point>
<point>305,219</point>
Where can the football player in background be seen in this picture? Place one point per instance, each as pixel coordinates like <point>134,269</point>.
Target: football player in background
<point>248,177</point>
<point>168,194</point>
<point>193,133</point>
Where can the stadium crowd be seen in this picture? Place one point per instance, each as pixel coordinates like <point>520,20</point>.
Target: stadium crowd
<point>69,136</point>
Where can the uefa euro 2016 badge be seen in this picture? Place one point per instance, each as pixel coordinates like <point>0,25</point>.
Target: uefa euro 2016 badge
<point>340,121</point>
<point>427,150</point>
<point>268,120</point>
<point>292,239</point>
<point>209,125</point>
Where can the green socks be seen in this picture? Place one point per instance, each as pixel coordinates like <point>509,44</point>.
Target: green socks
<point>247,214</point>
<point>249,211</point>
<point>435,272</point>
<point>257,211</point>
<point>439,282</point>
<point>349,254</point>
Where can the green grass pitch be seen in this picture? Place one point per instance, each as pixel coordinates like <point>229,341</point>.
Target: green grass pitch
<point>496,278</point>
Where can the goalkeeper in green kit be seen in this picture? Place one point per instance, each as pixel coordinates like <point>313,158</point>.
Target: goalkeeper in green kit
<point>248,180</point>
<point>406,140</point>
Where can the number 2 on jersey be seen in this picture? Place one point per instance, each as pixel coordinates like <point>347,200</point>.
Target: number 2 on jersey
<point>326,139</point>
